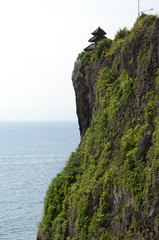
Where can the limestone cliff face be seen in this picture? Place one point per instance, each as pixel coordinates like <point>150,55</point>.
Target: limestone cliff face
<point>84,82</point>
<point>109,189</point>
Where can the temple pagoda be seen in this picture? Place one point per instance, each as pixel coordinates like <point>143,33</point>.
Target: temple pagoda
<point>98,35</point>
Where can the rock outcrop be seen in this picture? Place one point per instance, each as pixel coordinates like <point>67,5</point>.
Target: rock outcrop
<point>84,82</point>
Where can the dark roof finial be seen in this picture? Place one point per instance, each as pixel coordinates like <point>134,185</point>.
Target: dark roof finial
<point>99,32</point>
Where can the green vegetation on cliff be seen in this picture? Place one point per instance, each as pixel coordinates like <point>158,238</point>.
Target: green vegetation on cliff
<point>109,187</point>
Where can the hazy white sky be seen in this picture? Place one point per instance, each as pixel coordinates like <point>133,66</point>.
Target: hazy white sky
<point>39,42</point>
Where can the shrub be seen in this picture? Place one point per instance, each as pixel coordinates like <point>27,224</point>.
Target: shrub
<point>100,51</point>
<point>84,57</point>
<point>121,33</point>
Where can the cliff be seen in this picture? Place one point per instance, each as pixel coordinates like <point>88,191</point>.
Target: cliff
<point>109,188</point>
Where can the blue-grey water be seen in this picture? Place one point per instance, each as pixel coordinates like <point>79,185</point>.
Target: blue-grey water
<point>31,154</point>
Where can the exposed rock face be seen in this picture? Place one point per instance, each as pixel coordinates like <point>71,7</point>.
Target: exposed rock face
<point>110,186</point>
<point>84,82</point>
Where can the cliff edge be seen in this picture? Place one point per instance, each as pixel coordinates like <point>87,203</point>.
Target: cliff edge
<point>109,189</point>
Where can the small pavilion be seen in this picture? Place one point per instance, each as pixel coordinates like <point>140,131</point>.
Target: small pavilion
<point>98,35</point>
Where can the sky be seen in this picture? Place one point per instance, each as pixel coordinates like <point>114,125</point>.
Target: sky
<point>39,43</point>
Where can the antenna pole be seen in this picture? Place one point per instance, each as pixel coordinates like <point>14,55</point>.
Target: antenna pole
<point>138,9</point>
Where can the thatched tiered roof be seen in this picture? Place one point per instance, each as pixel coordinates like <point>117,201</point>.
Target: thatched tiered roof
<point>98,35</point>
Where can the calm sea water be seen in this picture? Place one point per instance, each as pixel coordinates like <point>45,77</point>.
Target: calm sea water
<point>31,154</point>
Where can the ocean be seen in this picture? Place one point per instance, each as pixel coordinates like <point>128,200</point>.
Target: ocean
<point>31,154</point>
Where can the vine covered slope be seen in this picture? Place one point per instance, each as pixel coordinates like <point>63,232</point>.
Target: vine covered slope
<point>109,189</point>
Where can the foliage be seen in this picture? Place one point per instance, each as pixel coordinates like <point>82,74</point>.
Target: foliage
<point>84,57</point>
<point>126,85</point>
<point>144,56</point>
<point>150,96</point>
<point>101,50</point>
<point>121,33</point>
